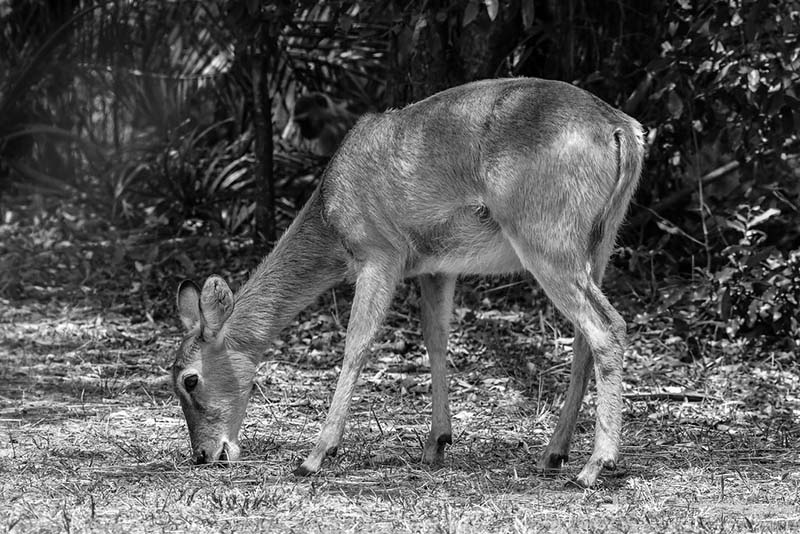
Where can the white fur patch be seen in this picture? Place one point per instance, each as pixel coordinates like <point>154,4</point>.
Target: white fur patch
<point>497,257</point>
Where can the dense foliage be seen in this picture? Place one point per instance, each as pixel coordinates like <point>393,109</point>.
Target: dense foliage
<point>175,118</point>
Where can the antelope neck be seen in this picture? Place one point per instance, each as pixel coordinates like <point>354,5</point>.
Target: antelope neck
<point>307,261</point>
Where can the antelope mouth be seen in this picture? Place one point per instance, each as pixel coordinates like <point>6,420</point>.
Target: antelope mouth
<point>226,453</point>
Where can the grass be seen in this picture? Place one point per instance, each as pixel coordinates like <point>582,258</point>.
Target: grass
<point>92,440</point>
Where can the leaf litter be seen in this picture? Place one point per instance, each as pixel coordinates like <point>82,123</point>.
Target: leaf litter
<point>92,438</point>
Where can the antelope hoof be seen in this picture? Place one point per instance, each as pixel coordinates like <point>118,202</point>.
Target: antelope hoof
<point>305,469</point>
<point>313,462</point>
<point>581,482</point>
<point>588,475</point>
<point>302,471</point>
<point>552,462</point>
<point>433,453</point>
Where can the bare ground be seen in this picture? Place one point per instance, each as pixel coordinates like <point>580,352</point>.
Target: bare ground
<point>92,439</point>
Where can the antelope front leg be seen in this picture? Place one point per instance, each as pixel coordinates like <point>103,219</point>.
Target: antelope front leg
<point>437,303</point>
<point>557,451</point>
<point>374,290</point>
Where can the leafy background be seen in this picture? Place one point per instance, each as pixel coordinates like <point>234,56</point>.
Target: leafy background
<point>130,140</point>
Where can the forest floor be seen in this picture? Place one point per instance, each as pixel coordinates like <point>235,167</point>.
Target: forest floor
<point>92,438</point>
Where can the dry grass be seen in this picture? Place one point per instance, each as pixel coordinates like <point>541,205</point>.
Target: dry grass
<point>91,439</point>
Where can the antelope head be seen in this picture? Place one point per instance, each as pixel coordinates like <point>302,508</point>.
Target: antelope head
<point>212,381</point>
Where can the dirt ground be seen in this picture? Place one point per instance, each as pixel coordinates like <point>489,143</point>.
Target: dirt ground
<point>92,438</point>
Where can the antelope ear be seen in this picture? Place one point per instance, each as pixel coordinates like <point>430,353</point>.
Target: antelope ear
<point>188,300</point>
<point>216,303</point>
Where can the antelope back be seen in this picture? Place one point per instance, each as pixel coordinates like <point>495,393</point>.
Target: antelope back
<point>436,182</point>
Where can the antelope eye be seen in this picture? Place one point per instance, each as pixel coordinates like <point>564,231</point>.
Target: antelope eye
<point>190,382</point>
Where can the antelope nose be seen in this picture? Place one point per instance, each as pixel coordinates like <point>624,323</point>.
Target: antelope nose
<point>200,457</point>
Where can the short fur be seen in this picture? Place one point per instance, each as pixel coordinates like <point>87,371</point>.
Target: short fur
<point>495,176</point>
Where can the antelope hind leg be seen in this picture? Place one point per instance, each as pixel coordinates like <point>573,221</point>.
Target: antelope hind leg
<point>557,451</point>
<point>579,298</point>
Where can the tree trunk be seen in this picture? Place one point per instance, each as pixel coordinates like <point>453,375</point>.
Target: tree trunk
<point>447,53</point>
<point>262,122</point>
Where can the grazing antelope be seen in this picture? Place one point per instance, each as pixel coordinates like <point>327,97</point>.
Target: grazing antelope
<point>495,176</point>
